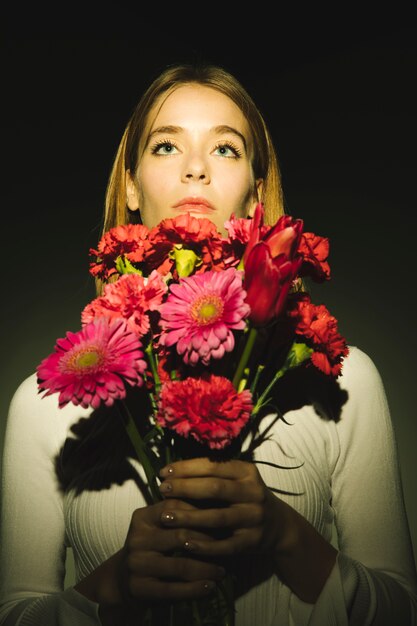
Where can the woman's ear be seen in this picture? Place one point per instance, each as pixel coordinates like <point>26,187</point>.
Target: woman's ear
<point>132,193</point>
<point>256,196</point>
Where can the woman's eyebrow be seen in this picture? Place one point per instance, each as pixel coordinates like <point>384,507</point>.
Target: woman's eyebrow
<point>218,130</point>
<point>165,130</point>
<point>224,128</point>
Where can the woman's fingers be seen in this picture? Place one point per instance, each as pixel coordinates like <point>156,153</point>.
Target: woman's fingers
<point>171,568</point>
<point>231,481</point>
<point>235,498</point>
<point>213,487</point>
<point>233,516</point>
<point>204,467</point>
<point>156,565</point>
<point>147,532</point>
<point>243,540</point>
<point>151,589</point>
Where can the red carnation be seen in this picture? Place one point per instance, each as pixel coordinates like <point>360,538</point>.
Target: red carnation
<point>208,408</point>
<point>240,229</point>
<point>131,297</point>
<point>314,250</point>
<point>319,328</point>
<point>129,240</point>
<point>197,234</point>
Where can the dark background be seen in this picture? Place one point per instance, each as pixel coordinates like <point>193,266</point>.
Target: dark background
<point>340,100</point>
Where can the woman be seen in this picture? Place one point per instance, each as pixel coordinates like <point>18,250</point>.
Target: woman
<point>196,143</point>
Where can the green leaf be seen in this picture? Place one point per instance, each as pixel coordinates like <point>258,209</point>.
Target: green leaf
<point>185,260</point>
<point>298,353</point>
<point>124,266</point>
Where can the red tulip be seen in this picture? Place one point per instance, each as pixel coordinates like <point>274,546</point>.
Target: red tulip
<point>271,264</point>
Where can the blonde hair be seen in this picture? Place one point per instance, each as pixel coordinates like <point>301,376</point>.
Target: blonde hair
<point>265,163</point>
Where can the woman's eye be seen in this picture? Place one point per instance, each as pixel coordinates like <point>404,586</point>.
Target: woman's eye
<point>164,147</point>
<point>227,150</point>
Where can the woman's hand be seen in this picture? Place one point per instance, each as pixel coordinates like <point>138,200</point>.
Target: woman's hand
<point>155,565</point>
<point>258,521</point>
<point>255,517</point>
<point>152,566</point>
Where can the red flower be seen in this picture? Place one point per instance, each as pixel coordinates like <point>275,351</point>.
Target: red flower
<point>131,297</point>
<point>208,408</point>
<point>314,250</point>
<point>130,240</point>
<point>197,234</point>
<point>319,328</point>
<point>271,265</point>
<point>239,230</point>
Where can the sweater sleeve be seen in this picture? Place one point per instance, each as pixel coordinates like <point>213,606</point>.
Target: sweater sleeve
<point>32,543</point>
<point>374,578</point>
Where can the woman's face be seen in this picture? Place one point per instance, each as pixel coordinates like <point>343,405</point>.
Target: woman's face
<point>197,158</point>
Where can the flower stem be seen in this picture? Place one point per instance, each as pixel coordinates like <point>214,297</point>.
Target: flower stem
<point>153,365</point>
<point>140,449</point>
<point>265,392</point>
<point>245,357</point>
<point>297,354</point>
<point>256,378</point>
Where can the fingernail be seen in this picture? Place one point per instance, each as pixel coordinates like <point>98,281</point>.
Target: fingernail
<point>221,572</point>
<point>165,487</point>
<point>168,470</point>
<point>209,585</point>
<point>167,518</point>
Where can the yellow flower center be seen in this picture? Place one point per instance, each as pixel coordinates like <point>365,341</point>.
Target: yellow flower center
<point>88,359</point>
<point>83,360</point>
<point>207,309</point>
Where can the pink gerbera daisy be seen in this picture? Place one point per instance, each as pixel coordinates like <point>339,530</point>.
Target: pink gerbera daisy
<point>200,313</point>
<point>131,298</point>
<point>92,366</point>
<point>209,409</point>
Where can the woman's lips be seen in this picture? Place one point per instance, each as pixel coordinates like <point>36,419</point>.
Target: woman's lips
<point>194,205</point>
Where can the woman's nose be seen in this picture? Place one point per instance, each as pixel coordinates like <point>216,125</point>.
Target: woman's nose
<point>195,168</point>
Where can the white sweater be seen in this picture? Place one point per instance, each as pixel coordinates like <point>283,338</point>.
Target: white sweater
<point>349,479</point>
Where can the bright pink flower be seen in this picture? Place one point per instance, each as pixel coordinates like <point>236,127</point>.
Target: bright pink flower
<point>129,240</point>
<point>200,314</point>
<point>91,366</point>
<point>271,265</point>
<point>131,297</point>
<point>208,409</point>
<point>240,228</point>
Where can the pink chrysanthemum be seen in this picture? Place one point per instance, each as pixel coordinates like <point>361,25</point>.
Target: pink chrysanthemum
<point>131,298</point>
<point>91,366</point>
<point>200,314</point>
<point>208,409</point>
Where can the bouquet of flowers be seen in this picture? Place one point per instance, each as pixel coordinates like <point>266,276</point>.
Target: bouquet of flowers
<point>204,325</point>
